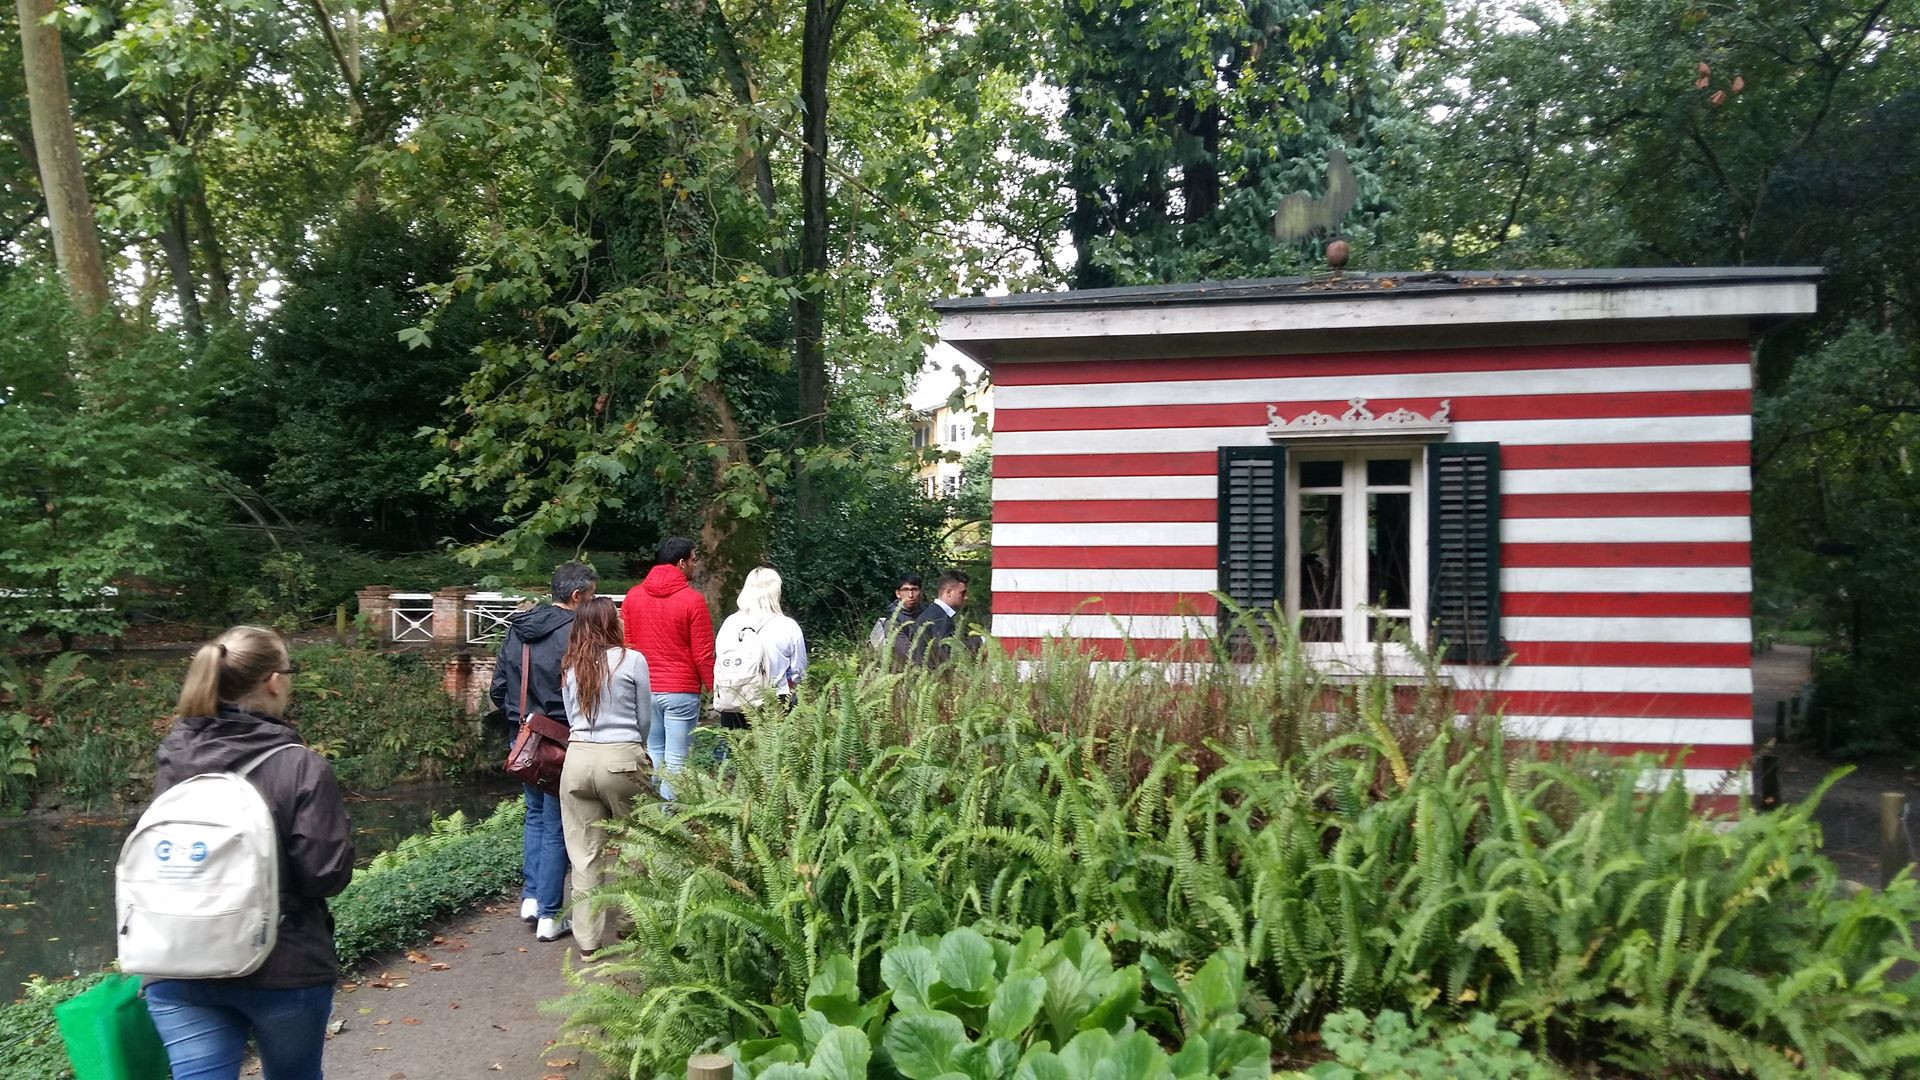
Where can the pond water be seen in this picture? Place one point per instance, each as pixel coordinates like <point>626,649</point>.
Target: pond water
<point>56,877</point>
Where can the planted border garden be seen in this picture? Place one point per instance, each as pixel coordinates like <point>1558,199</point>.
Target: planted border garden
<point>1365,866</point>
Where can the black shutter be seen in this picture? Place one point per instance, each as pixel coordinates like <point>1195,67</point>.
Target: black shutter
<point>1463,526</point>
<point>1253,542</point>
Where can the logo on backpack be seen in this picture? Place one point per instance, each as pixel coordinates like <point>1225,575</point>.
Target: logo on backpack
<point>214,914</point>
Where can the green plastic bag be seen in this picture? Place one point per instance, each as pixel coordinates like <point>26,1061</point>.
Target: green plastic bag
<point>109,1034</point>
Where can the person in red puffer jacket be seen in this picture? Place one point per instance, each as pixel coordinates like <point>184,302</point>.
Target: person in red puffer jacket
<point>669,624</point>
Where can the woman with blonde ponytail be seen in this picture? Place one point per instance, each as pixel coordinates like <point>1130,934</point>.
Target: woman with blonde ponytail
<point>232,708</point>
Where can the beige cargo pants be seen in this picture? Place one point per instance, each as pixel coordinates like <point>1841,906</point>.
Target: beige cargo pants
<point>600,780</point>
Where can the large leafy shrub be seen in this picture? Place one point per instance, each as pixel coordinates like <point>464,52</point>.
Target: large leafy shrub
<point>1360,847</point>
<point>428,877</point>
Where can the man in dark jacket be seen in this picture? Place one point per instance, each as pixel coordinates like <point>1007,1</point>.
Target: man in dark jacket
<point>901,613</point>
<point>539,635</point>
<point>939,626</point>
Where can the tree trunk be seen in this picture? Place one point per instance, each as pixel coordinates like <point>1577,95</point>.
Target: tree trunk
<point>809,350</point>
<point>219,283</point>
<point>173,243</point>
<point>76,238</point>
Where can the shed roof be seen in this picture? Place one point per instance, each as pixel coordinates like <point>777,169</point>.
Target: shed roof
<point>1376,310</point>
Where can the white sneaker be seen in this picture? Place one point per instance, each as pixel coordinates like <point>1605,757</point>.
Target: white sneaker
<point>529,909</point>
<point>553,929</point>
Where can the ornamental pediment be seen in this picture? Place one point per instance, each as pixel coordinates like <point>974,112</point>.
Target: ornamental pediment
<point>1361,419</point>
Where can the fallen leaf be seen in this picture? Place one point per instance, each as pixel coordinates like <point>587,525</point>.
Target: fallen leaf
<point>453,1004</point>
<point>410,1020</point>
<point>563,1063</point>
<point>501,1027</point>
<point>365,1012</point>
<point>382,1022</point>
<point>495,1067</point>
<point>415,956</point>
<point>437,966</point>
<point>523,948</point>
<point>438,940</point>
<point>554,1076</point>
<point>377,1049</point>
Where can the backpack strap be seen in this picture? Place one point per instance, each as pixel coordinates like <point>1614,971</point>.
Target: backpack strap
<point>526,661</point>
<point>258,759</point>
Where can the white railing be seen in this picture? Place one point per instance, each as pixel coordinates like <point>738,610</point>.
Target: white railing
<point>486,616</point>
<point>412,616</point>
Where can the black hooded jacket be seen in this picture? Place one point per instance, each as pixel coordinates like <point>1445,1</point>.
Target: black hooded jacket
<point>545,630</point>
<point>316,841</point>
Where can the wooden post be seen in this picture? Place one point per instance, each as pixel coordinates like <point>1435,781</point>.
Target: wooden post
<point>709,1067</point>
<point>1780,722</point>
<point>1793,712</point>
<point>1895,853</point>
<point>1769,782</point>
<point>340,623</point>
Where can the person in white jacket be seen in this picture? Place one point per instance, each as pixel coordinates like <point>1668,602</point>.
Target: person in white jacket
<point>759,653</point>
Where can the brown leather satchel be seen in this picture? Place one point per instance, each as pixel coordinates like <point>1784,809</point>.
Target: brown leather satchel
<point>540,749</point>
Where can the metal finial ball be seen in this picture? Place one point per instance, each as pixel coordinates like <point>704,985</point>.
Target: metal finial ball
<point>1337,252</point>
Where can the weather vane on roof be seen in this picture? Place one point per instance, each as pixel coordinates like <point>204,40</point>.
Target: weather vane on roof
<point>1301,216</point>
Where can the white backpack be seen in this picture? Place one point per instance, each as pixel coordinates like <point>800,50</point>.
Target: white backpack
<point>740,670</point>
<point>197,887</point>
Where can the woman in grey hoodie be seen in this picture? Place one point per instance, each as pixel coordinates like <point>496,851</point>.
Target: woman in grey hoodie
<point>609,707</point>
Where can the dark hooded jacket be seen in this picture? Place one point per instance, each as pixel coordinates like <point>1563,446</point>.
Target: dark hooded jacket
<point>316,841</point>
<point>544,630</point>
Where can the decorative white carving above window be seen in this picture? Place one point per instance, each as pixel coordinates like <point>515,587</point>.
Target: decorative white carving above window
<point>1360,420</point>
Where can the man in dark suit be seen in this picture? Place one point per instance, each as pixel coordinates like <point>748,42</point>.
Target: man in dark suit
<point>940,624</point>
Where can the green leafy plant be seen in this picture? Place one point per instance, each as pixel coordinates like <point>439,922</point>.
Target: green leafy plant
<point>26,701</point>
<point>428,877</point>
<point>30,1044</point>
<point>1390,1047</point>
<point>966,1005</point>
<point>1359,844</point>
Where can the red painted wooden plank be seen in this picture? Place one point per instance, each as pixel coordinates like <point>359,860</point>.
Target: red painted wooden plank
<point>1679,757</point>
<point>1669,554</point>
<point>1519,407</point>
<point>1634,605</point>
<point>1638,504</point>
<point>1105,558</point>
<point>1568,703</point>
<point>1525,357</point>
<point>1006,602</point>
<point>1186,463</point>
<point>1101,511</point>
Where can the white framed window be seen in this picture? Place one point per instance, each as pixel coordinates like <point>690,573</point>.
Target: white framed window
<point>1357,570</point>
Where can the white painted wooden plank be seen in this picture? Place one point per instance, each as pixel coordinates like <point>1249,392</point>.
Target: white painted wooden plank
<point>1097,582</point>
<point>1676,630</point>
<point>1622,481</point>
<point>1618,530</point>
<point>1143,627</point>
<point>1434,384</point>
<point>1659,429</point>
<point>1044,488</point>
<point>1605,679</point>
<point>1108,534</point>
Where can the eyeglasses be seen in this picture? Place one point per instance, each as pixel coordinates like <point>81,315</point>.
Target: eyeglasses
<point>291,669</point>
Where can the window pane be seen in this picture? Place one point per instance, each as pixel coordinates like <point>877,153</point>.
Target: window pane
<point>1389,550</point>
<point>1389,628</point>
<point>1320,551</point>
<point>1389,472</point>
<point>1320,474</point>
<point>1324,628</point>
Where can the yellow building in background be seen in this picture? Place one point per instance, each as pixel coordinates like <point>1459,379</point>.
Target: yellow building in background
<point>940,432</point>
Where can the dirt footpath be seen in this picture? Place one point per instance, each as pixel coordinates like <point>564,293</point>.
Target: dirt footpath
<point>1849,816</point>
<point>465,1005</point>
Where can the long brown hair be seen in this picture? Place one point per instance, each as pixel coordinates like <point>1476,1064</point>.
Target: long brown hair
<point>596,628</point>
<point>229,668</point>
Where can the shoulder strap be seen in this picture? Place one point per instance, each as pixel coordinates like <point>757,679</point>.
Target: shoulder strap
<point>526,661</point>
<point>260,758</point>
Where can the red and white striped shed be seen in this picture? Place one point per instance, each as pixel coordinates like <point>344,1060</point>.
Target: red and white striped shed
<point>1548,473</point>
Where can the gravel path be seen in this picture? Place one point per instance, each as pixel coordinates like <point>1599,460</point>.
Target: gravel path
<point>463,1007</point>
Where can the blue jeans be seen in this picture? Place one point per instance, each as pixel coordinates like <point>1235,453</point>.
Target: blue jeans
<point>204,1024</point>
<point>674,718</point>
<point>543,852</point>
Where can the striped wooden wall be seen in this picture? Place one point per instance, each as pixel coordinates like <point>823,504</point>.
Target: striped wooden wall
<point>1625,534</point>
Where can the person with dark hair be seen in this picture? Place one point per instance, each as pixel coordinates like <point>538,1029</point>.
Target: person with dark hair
<point>536,641</point>
<point>903,611</point>
<point>670,624</point>
<point>939,626</point>
<point>230,712</point>
<point>609,709</point>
